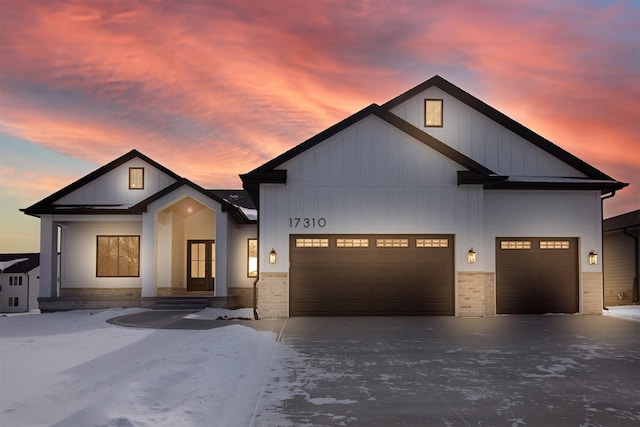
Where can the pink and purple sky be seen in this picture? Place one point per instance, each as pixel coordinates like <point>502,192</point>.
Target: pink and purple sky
<point>212,89</point>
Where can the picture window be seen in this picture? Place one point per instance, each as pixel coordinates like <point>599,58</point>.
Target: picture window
<point>118,256</point>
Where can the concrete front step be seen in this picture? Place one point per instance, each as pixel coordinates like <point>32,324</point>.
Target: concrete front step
<point>182,303</point>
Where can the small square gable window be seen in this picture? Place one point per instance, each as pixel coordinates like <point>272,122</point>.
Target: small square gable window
<point>136,178</point>
<point>433,113</point>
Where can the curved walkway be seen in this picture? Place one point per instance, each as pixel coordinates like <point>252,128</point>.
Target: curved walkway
<point>175,319</point>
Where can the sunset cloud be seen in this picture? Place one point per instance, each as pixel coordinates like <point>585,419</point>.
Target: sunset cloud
<point>212,89</point>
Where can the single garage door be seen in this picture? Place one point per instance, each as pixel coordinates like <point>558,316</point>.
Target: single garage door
<point>373,275</point>
<point>536,275</point>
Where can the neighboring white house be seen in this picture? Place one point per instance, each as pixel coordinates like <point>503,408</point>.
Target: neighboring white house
<point>19,282</point>
<point>133,231</point>
<point>433,203</point>
<point>622,259</point>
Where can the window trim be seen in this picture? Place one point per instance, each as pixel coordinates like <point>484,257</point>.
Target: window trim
<point>131,178</point>
<point>117,256</point>
<point>441,121</point>
<point>249,273</point>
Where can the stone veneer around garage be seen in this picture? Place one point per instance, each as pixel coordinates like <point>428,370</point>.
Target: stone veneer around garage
<point>476,294</point>
<point>592,293</point>
<point>273,295</point>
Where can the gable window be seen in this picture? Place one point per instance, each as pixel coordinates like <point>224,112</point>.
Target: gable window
<point>433,113</point>
<point>252,258</point>
<point>136,178</point>
<point>118,256</point>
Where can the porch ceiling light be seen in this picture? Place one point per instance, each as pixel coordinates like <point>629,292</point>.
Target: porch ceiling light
<point>272,256</point>
<point>593,257</point>
<point>471,256</point>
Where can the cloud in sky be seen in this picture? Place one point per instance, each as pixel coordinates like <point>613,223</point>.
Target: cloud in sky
<point>215,88</point>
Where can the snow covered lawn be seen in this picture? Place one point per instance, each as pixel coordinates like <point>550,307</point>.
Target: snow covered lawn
<point>624,311</point>
<point>74,369</point>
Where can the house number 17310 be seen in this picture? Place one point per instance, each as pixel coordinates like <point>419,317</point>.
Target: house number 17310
<point>307,222</point>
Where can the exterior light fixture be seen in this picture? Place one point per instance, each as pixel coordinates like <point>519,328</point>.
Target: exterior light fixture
<point>471,256</point>
<point>272,256</point>
<point>593,257</point>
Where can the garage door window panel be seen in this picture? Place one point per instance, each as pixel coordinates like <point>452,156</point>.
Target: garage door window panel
<point>352,243</point>
<point>392,243</point>
<point>312,243</point>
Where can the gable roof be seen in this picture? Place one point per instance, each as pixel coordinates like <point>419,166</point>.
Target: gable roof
<point>501,119</point>
<point>18,263</point>
<point>476,173</point>
<point>268,173</point>
<point>235,210</point>
<point>48,206</point>
<point>45,205</point>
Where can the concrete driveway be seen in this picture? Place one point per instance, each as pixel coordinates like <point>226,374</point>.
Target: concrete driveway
<point>444,371</point>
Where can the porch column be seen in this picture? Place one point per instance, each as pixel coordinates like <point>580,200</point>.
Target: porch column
<point>221,254</point>
<point>147,256</point>
<point>48,257</point>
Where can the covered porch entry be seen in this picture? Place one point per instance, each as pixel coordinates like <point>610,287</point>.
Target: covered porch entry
<point>186,249</point>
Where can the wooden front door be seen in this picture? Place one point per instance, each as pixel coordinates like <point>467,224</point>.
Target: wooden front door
<point>201,265</point>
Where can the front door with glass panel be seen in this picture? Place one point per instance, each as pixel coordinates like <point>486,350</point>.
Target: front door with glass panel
<point>201,265</point>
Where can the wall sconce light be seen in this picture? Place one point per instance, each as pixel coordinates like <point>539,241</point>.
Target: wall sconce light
<point>593,257</point>
<point>272,256</point>
<point>471,256</point>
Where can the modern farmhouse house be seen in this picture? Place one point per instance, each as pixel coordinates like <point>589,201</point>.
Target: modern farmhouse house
<point>433,203</point>
<point>133,230</point>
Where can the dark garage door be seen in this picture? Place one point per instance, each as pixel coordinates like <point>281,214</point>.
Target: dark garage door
<point>338,275</point>
<point>536,275</point>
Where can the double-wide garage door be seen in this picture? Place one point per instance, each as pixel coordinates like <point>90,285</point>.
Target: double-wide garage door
<point>343,275</point>
<point>536,275</point>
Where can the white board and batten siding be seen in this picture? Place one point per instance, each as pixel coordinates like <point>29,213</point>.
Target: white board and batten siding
<point>113,186</point>
<point>78,245</point>
<point>368,178</point>
<point>482,139</point>
<point>537,213</point>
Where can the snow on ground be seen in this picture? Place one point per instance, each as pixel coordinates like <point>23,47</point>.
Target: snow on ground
<point>210,313</point>
<point>71,369</point>
<point>624,311</point>
<point>74,369</point>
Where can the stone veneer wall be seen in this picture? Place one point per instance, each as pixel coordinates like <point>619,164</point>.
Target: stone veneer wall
<point>476,294</point>
<point>244,295</point>
<point>91,298</point>
<point>591,293</point>
<point>273,295</point>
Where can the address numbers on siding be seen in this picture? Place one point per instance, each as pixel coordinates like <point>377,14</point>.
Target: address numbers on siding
<point>307,222</point>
